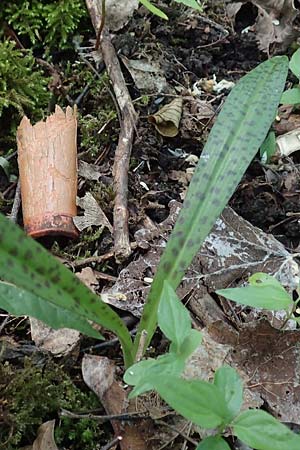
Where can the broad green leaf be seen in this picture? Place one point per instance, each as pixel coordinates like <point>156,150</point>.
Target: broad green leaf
<point>142,373</point>
<point>268,147</point>
<point>291,97</point>
<point>230,384</point>
<point>236,136</point>
<point>190,344</point>
<point>295,63</point>
<point>261,431</point>
<point>27,265</point>
<point>191,3</point>
<point>173,318</point>
<point>213,443</point>
<point>158,12</point>
<point>21,303</point>
<point>264,292</point>
<point>196,400</point>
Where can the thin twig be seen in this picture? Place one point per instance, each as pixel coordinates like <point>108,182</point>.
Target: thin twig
<point>123,150</point>
<point>112,443</point>
<point>90,260</point>
<point>17,203</point>
<point>181,433</point>
<point>4,323</point>
<point>128,124</point>
<point>104,418</point>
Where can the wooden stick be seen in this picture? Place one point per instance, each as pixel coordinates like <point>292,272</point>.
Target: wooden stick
<point>128,124</point>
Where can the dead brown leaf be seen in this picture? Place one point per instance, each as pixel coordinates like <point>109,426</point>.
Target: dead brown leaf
<point>99,373</point>
<point>275,26</point>
<point>45,437</point>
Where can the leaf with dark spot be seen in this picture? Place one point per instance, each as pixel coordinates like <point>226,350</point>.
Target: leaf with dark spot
<point>235,138</point>
<point>53,286</point>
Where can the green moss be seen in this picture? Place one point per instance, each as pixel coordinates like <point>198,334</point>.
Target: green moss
<point>49,23</point>
<point>23,90</point>
<point>101,128</point>
<point>35,394</point>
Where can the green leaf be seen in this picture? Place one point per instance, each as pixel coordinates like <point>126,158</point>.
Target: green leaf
<point>190,344</point>
<point>142,373</point>
<point>22,303</point>
<point>260,430</point>
<point>27,265</point>
<point>4,164</point>
<point>230,384</point>
<point>196,400</point>
<point>191,4</point>
<point>264,292</point>
<point>236,136</point>
<point>213,443</point>
<point>295,63</point>
<point>173,318</point>
<point>268,147</point>
<point>291,97</point>
<point>158,12</point>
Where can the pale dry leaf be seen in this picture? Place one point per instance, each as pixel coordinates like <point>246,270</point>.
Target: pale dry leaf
<point>88,278</point>
<point>147,75</point>
<point>93,214</point>
<point>98,373</point>
<point>45,437</point>
<point>58,342</point>
<point>117,12</point>
<point>88,171</point>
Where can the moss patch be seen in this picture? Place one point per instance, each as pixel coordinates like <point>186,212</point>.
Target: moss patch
<point>35,394</point>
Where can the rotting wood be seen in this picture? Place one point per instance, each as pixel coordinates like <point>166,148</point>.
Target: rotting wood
<point>122,248</point>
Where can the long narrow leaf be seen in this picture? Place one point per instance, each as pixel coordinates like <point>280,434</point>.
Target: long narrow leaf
<point>27,265</point>
<point>21,303</point>
<point>240,129</point>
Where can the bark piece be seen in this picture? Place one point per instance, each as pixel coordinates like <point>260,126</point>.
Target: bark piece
<point>47,157</point>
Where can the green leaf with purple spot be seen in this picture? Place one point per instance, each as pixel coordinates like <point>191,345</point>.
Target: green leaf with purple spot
<point>31,268</point>
<point>235,138</point>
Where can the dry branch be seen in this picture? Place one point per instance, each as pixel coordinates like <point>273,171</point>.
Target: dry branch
<point>128,123</point>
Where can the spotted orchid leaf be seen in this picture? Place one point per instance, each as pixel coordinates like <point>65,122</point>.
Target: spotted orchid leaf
<point>235,138</point>
<point>33,270</point>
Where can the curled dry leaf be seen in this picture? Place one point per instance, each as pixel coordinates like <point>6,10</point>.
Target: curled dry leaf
<point>167,119</point>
